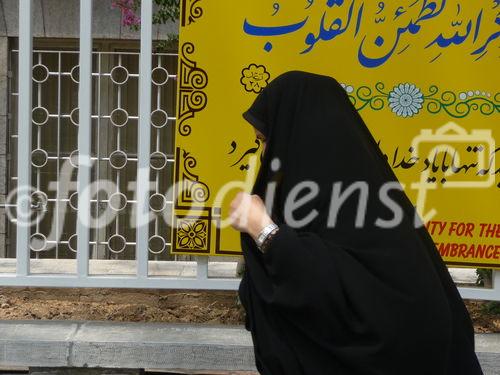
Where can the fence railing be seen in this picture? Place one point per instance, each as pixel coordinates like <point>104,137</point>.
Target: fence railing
<point>145,267</point>
<point>114,152</point>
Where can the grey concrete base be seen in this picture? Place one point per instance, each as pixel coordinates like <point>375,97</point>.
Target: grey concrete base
<point>225,269</point>
<point>490,363</point>
<point>124,345</point>
<point>82,371</point>
<point>488,352</point>
<point>217,267</point>
<point>169,347</point>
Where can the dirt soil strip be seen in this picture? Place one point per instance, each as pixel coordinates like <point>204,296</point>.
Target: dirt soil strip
<point>154,305</point>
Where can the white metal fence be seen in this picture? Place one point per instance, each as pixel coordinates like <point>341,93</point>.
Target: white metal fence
<point>104,149</point>
<point>54,154</point>
<point>112,149</point>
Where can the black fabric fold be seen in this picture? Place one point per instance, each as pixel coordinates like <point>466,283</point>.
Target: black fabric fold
<point>346,299</point>
<point>256,123</point>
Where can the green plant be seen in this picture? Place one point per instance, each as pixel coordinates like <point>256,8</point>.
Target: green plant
<point>166,11</point>
<point>491,308</point>
<point>484,277</point>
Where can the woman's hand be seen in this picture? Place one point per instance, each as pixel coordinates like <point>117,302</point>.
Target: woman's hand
<point>248,214</point>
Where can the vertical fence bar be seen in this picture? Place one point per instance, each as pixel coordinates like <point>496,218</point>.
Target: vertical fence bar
<point>84,138</point>
<point>202,268</point>
<point>496,284</point>
<point>24,137</point>
<point>144,139</point>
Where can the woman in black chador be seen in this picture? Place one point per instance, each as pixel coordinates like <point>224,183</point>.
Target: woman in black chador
<point>333,292</point>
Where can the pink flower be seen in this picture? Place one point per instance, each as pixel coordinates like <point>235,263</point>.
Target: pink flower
<point>129,18</point>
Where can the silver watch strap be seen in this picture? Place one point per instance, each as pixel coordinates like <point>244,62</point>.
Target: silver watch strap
<point>264,233</point>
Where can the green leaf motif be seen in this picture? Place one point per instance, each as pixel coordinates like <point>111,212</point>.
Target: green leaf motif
<point>407,100</point>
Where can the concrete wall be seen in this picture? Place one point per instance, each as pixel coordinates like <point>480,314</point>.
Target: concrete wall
<point>60,19</point>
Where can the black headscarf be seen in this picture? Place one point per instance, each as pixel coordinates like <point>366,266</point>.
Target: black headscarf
<point>349,299</point>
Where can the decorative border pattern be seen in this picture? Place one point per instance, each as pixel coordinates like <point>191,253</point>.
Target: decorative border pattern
<point>192,234</point>
<point>407,100</point>
<point>192,81</point>
<point>193,190</point>
<point>191,11</point>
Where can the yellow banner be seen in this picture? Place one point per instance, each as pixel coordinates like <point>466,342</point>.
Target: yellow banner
<point>422,74</point>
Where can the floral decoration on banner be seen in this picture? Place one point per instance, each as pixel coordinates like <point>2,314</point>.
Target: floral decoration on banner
<point>407,100</point>
<point>254,78</point>
<point>192,234</point>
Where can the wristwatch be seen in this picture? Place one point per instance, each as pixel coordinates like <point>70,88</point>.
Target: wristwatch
<point>264,233</point>
<point>268,240</point>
